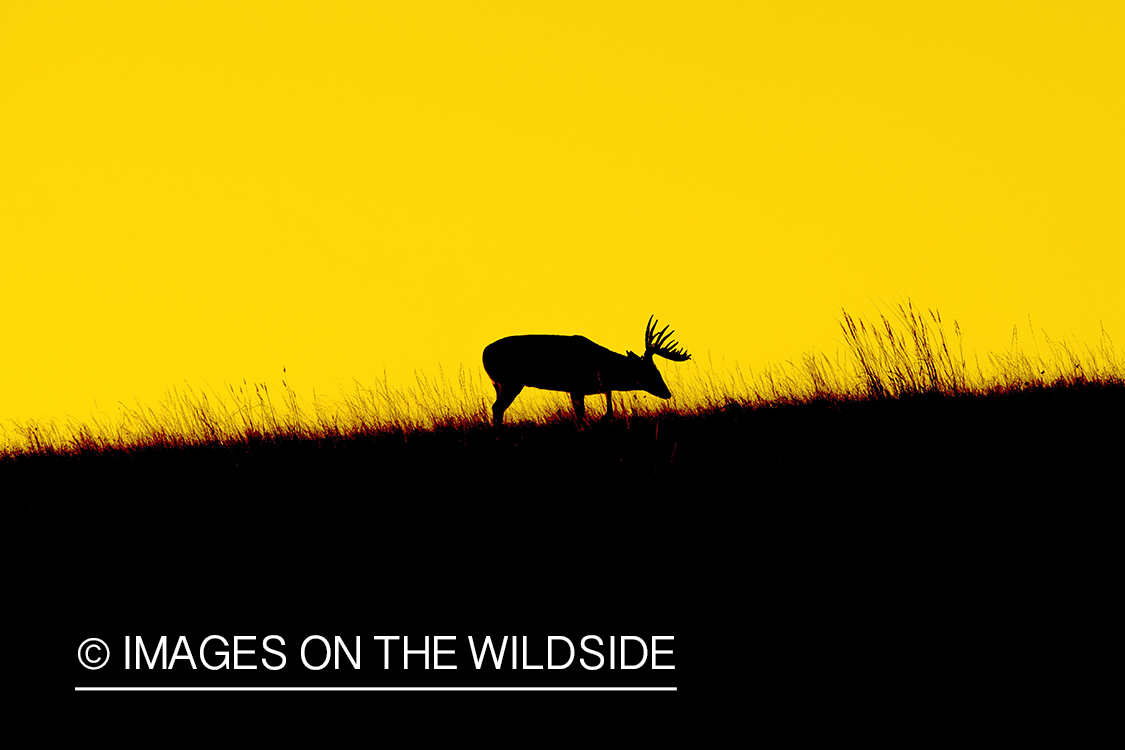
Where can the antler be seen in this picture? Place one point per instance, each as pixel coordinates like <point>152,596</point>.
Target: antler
<point>656,342</point>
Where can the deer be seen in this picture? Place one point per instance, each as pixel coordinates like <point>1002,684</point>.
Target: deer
<point>578,366</point>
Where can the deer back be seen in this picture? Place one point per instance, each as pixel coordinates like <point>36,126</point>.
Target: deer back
<point>559,363</point>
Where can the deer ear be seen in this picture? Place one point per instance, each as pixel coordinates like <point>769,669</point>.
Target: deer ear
<point>631,355</point>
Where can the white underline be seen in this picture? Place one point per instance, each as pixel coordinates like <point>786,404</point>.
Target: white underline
<point>377,689</point>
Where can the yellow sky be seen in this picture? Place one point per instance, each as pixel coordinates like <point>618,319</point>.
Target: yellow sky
<point>211,191</point>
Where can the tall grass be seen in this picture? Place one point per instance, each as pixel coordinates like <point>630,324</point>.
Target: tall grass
<point>906,356</point>
<point>251,412</point>
<point>911,353</point>
<point>905,353</point>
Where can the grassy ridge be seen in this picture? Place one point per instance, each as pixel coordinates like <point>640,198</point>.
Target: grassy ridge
<point>897,512</point>
<point>903,406</point>
<point>908,354</point>
<point>861,480</point>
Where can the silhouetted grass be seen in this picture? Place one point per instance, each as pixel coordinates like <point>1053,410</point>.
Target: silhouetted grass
<point>859,477</point>
<point>906,355</point>
<point>853,497</point>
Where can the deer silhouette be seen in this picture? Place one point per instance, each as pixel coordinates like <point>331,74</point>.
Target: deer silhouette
<point>578,366</point>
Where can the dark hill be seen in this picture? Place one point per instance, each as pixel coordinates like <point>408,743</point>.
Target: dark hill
<point>645,515</point>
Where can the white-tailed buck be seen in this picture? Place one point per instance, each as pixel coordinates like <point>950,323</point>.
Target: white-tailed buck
<point>576,365</point>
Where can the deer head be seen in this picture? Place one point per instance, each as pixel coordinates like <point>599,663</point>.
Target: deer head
<point>657,343</point>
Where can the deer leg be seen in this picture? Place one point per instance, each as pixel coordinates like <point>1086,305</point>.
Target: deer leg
<point>579,402</point>
<point>505,395</point>
<point>608,406</point>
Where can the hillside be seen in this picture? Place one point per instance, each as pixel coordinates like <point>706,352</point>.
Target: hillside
<point>915,466</point>
<point>914,446</point>
<point>874,537</point>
